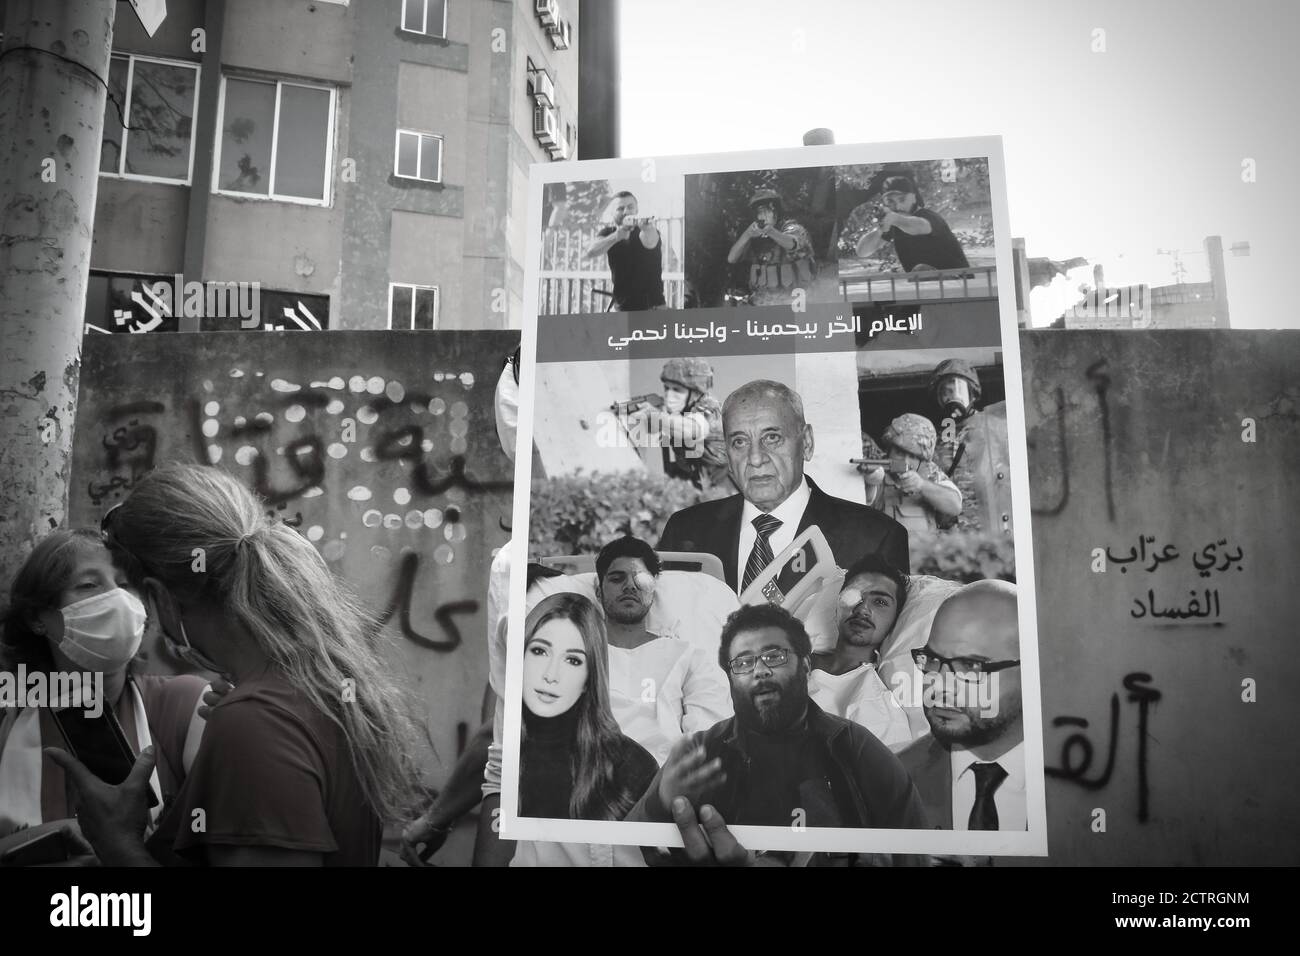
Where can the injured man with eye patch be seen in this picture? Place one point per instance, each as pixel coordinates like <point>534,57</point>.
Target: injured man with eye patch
<point>844,681</point>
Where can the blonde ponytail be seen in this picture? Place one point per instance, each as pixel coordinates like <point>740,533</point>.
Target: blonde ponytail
<point>308,622</point>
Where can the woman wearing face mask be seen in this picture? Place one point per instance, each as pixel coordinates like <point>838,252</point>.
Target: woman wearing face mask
<point>71,610</point>
<point>309,753</point>
<point>574,761</point>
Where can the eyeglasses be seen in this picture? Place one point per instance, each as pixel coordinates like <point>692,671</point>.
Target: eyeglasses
<point>771,660</point>
<point>964,668</point>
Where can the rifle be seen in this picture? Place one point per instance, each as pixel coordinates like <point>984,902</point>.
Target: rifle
<point>633,403</point>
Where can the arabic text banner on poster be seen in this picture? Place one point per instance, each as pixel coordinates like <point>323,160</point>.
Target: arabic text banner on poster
<point>788,373</point>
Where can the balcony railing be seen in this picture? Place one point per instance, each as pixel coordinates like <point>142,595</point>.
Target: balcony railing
<point>972,282</point>
<point>572,285</point>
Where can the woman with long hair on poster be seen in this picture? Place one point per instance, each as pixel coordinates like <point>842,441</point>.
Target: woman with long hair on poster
<point>575,763</point>
<point>309,753</point>
<point>72,613</point>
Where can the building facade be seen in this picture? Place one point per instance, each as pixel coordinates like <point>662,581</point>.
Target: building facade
<point>362,165</point>
<point>1185,305</point>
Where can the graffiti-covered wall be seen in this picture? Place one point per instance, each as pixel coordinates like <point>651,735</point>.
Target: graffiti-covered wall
<point>1164,483</point>
<point>379,447</point>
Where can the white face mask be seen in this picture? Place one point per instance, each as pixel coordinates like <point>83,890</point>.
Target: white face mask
<point>102,633</point>
<point>507,411</point>
<point>674,401</point>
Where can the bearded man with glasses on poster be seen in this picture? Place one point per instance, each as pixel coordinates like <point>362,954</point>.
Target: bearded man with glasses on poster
<point>781,760</point>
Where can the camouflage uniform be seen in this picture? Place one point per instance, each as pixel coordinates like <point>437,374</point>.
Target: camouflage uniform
<point>983,470</point>
<point>914,435</point>
<point>707,471</point>
<point>774,273</point>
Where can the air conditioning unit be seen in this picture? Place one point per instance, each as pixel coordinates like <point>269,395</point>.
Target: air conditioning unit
<point>561,34</point>
<point>545,125</point>
<point>543,88</point>
<point>546,12</point>
<point>559,149</point>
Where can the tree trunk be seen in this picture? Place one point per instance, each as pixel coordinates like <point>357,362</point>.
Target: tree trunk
<point>51,118</point>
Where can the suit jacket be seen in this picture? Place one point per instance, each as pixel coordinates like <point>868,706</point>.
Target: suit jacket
<point>929,764</point>
<point>851,530</point>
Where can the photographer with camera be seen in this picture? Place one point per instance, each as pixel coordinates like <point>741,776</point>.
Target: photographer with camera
<point>635,252</point>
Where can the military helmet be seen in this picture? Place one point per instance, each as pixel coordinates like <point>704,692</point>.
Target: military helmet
<point>913,434</point>
<point>766,196</point>
<point>962,369</point>
<point>690,373</point>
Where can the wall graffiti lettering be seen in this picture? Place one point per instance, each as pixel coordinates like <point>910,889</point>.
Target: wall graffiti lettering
<point>378,448</point>
<point>1077,750</point>
<point>444,615</point>
<point>1098,374</point>
<point>130,447</point>
<point>1064,453</point>
<point>289,437</point>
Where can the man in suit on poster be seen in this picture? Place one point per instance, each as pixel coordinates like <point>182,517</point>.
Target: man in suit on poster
<point>978,741</point>
<point>767,442</point>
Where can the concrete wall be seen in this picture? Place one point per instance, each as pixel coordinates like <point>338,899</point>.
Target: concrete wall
<point>1130,434</point>
<point>282,245</point>
<point>292,38</point>
<point>420,83</point>
<point>139,227</point>
<point>425,251</point>
<point>397,542</point>
<point>174,37</point>
<point>530,41</point>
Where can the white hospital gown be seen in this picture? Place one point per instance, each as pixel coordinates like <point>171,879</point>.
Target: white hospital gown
<point>664,689</point>
<point>862,697</point>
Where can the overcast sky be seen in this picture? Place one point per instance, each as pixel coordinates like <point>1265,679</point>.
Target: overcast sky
<point>1110,155</point>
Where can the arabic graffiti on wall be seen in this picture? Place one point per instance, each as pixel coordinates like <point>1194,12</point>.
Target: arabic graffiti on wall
<point>379,448</point>
<point>1206,561</point>
<point>1077,750</point>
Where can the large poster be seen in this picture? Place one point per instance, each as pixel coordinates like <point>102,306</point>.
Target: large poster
<point>777,525</point>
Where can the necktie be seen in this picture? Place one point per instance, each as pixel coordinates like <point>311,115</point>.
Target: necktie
<point>760,556</point>
<point>984,813</point>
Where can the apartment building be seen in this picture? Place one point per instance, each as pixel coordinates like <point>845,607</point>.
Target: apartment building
<point>364,163</point>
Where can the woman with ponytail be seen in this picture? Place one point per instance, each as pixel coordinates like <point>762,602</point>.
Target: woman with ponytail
<point>309,753</point>
<point>575,763</point>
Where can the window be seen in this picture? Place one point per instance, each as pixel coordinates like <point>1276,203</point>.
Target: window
<point>428,17</point>
<point>157,97</point>
<point>412,307</point>
<point>276,140</point>
<point>419,156</point>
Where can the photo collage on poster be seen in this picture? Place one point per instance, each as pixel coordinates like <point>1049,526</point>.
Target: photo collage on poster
<point>776,510</point>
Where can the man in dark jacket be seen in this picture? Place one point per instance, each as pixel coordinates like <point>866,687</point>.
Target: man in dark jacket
<point>767,442</point>
<point>781,760</point>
